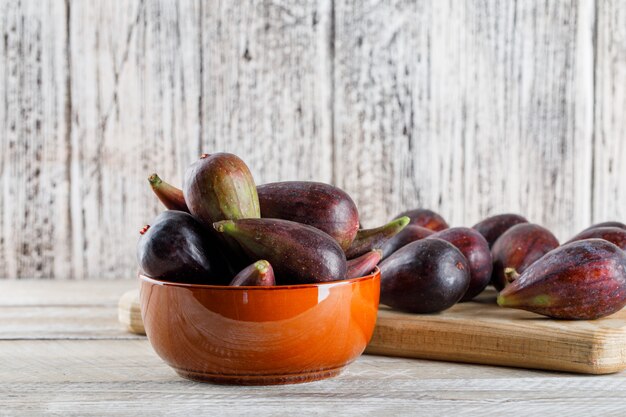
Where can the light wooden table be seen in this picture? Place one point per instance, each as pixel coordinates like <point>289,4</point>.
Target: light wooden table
<point>63,352</point>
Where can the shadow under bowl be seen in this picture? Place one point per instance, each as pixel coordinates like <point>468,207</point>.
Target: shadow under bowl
<point>260,335</point>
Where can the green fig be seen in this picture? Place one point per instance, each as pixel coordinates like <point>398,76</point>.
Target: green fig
<point>369,239</point>
<point>299,253</point>
<point>170,196</point>
<point>220,187</point>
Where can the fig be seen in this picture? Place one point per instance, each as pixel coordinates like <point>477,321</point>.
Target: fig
<point>176,247</point>
<point>492,227</point>
<point>369,239</point>
<point>426,218</point>
<point>425,276</point>
<point>170,196</point>
<point>299,254</point>
<point>583,280</point>
<point>364,264</point>
<point>259,273</point>
<point>517,249</point>
<point>606,224</point>
<point>476,250</point>
<point>220,187</point>
<point>614,235</point>
<point>323,206</point>
<point>409,234</point>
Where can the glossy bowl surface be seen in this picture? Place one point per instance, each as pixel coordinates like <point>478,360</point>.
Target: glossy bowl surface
<point>260,335</point>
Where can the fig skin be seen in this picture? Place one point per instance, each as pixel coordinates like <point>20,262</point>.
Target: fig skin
<point>170,196</point>
<point>615,235</point>
<point>364,264</point>
<point>176,247</point>
<point>492,227</point>
<point>517,249</point>
<point>606,224</point>
<point>409,234</point>
<point>582,280</point>
<point>259,274</point>
<point>299,254</point>
<point>476,250</point>
<point>425,218</point>
<point>425,276</point>
<point>367,240</point>
<point>323,206</point>
<point>220,187</point>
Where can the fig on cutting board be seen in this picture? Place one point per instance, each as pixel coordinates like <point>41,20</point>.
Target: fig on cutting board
<point>323,206</point>
<point>170,196</point>
<point>409,234</point>
<point>607,224</point>
<point>580,280</point>
<point>425,276</point>
<point>259,274</point>
<point>492,227</point>
<point>364,264</point>
<point>176,247</point>
<point>476,250</point>
<point>425,218</point>
<point>614,235</point>
<point>517,249</point>
<point>299,254</point>
<point>220,187</point>
<point>369,239</point>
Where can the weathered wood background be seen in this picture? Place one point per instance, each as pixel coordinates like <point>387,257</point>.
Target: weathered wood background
<point>469,108</point>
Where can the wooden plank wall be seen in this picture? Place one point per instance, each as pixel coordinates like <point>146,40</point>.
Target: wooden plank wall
<point>469,108</point>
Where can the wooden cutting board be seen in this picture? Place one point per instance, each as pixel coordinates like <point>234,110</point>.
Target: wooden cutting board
<point>482,332</point>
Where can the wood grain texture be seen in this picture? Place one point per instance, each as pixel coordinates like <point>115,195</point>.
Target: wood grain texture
<point>266,86</point>
<point>469,109</point>
<point>34,170</point>
<point>135,110</point>
<point>609,195</point>
<point>126,378</point>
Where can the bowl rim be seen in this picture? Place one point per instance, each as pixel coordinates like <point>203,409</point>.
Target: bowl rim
<point>375,274</point>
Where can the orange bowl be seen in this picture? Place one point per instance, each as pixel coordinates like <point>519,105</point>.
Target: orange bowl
<point>260,335</point>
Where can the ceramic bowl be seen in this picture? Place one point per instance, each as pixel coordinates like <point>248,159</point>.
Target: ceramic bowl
<point>260,335</point>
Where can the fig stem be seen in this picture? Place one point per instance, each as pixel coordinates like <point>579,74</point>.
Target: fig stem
<point>224,226</point>
<point>154,180</point>
<point>510,274</point>
<point>262,266</point>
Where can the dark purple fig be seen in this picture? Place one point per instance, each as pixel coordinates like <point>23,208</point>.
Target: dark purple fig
<point>517,249</point>
<point>220,187</point>
<point>364,264</point>
<point>367,240</point>
<point>259,274</point>
<point>425,276</point>
<point>299,253</point>
<point>409,234</point>
<point>476,250</point>
<point>426,218</point>
<point>169,195</point>
<point>580,280</point>
<point>607,224</point>
<point>323,206</point>
<point>176,247</point>
<point>492,227</point>
<point>615,235</point>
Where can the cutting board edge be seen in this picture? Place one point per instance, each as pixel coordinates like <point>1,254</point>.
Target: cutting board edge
<point>471,359</point>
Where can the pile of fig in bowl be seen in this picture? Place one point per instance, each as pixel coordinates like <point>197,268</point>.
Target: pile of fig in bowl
<point>252,285</point>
